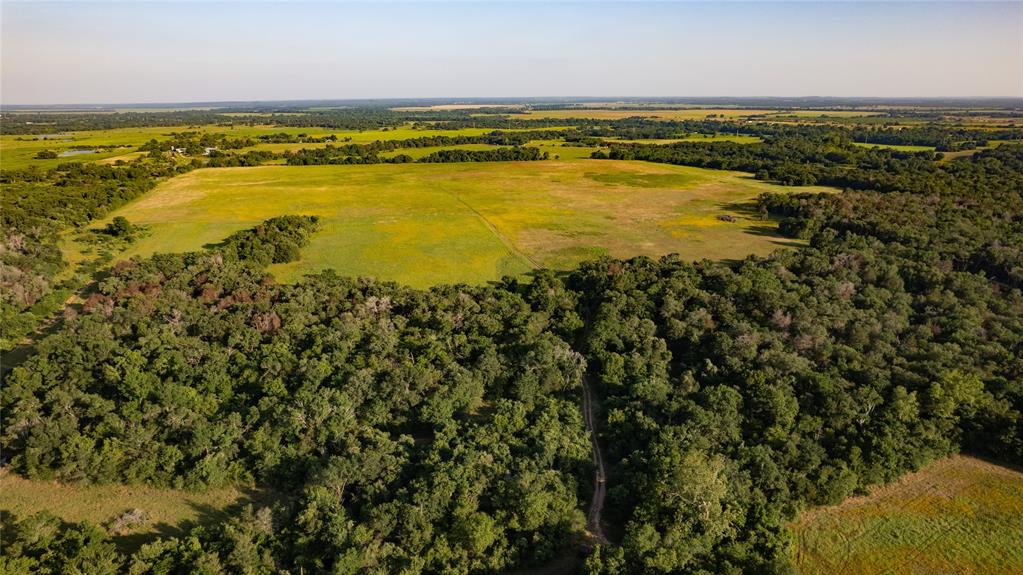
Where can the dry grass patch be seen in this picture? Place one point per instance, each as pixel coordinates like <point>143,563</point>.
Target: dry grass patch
<point>959,515</point>
<point>164,512</point>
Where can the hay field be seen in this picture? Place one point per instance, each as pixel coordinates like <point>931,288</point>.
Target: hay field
<point>959,515</point>
<point>424,224</point>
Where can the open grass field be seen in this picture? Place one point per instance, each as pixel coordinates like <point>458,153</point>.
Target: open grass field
<point>19,151</point>
<point>426,224</point>
<point>896,147</point>
<point>959,515</point>
<point>560,151</point>
<point>737,138</point>
<point>168,511</point>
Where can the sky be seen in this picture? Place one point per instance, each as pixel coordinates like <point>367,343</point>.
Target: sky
<point>145,52</point>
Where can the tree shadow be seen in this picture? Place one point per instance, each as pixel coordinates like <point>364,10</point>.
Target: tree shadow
<point>528,277</point>
<point>765,226</point>
<point>206,515</point>
<point>210,246</point>
<point>993,460</point>
<point>6,519</point>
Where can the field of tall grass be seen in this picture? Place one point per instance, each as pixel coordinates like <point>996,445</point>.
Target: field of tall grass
<point>424,224</point>
<point>960,515</point>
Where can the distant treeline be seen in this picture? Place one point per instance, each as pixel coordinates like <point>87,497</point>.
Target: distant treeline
<point>367,153</point>
<point>439,430</point>
<point>428,431</point>
<point>346,119</point>
<point>372,117</point>
<point>196,143</point>
<point>943,138</point>
<point>517,154</point>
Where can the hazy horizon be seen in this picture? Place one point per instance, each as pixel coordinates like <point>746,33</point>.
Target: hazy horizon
<point>497,100</point>
<point>92,53</point>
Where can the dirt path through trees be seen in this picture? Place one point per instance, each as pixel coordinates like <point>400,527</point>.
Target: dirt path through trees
<point>593,525</point>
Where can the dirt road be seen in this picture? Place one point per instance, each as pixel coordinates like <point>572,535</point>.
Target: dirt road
<point>593,524</point>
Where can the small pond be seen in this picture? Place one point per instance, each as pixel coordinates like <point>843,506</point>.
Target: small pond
<point>67,153</point>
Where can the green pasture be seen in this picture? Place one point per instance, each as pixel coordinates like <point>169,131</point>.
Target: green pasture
<point>959,515</point>
<point>558,149</point>
<point>903,148</point>
<point>737,138</point>
<point>19,151</point>
<point>424,224</point>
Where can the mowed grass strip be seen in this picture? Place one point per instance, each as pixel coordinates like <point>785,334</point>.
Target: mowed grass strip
<point>168,512</point>
<point>425,224</point>
<point>959,515</point>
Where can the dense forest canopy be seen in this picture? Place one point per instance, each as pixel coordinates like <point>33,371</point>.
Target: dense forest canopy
<point>440,431</point>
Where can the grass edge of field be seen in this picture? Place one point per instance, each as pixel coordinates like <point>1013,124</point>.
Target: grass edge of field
<point>952,483</point>
<point>170,512</point>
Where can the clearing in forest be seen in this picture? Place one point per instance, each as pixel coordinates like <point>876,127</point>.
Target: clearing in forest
<point>164,512</point>
<point>959,515</point>
<point>424,224</point>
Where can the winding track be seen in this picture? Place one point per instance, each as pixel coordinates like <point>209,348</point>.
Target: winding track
<point>593,525</point>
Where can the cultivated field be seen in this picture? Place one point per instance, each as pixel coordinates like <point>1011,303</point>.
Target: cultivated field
<point>960,515</point>
<point>168,512</point>
<point>424,224</point>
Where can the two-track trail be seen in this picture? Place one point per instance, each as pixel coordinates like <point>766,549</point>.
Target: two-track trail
<point>593,524</point>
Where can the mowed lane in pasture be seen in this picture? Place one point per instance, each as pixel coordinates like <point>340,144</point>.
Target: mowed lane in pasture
<point>424,224</point>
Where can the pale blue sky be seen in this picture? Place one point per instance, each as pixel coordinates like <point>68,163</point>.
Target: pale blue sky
<point>92,52</point>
